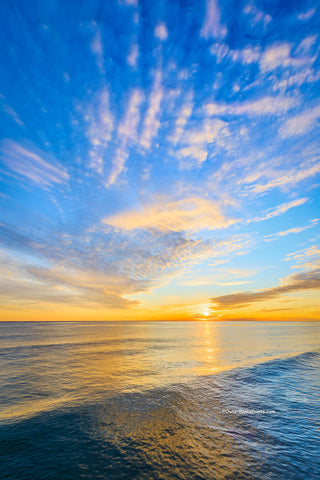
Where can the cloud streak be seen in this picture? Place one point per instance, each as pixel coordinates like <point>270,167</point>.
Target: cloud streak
<point>295,283</point>
<point>301,123</point>
<point>100,126</point>
<point>284,233</point>
<point>281,209</point>
<point>151,122</point>
<point>127,134</point>
<point>212,26</point>
<point>182,119</point>
<point>33,164</point>
<point>267,105</point>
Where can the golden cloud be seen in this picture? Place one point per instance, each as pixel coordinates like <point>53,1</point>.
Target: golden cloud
<point>190,214</point>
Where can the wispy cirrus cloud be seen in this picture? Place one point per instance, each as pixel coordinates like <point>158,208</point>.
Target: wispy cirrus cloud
<point>307,258</point>
<point>212,26</point>
<point>275,56</point>
<point>306,15</point>
<point>284,233</point>
<point>127,133</point>
<point>281,209</point>
<point>249,54</point>
<point>208,131</point>
<point>305,75</point>
<point>301,123</point>
<point>100,126</point>
<point>133,3</point>
<point>32,164</point>
<point>279,55</point>
<point>191,157</point>
<point>151,123</point>
<point>257,17</point>
<point>278,178</point>
<point>133,55</point>
<point>267,105</point>
<point>13,114</point>
<point>306,45</point>
<point>97,48</point>
<point>182,119</point>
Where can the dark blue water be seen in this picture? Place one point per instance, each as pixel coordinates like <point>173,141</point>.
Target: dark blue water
<point>160,401</point>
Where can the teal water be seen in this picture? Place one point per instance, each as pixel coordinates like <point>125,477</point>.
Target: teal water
<point>171,400</point>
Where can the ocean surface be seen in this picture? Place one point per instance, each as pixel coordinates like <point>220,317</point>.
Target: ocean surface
<point>170,400</point>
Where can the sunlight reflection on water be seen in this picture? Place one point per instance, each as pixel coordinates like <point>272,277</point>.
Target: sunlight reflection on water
<point>159,400</point>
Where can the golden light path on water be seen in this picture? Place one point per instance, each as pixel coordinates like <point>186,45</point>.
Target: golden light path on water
<point>76,362</point>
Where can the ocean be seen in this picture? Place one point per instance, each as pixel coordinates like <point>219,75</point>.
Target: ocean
<point>159,400</point>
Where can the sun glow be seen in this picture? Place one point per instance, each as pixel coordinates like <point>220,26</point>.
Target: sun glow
<point>135,198</point>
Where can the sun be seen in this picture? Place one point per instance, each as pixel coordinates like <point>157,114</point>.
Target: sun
<point>206,311</point>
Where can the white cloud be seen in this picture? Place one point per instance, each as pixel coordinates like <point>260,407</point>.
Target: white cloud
<point>279,55</point>
<point>305,75</point>
<point>133,3</point>
<point>191,157</point>
<point>307,14</point>
<point>132,57</point>
<point>127,132</point>
<point>301,123</point>
<point>275,56</point>
<point>97,49</point>
<point>221,51</point>
<point>33,164</point>
<point>15,117</point>
<point>100,120</point>
<point>128,128</point>
<point>257,16</point>
<point>284,233</point>
<point>161,32</point>
<point>283,208</point>
<point>151,122</point>
<point>246,55</point>
<point>310,258</point>
<point>212,27</point>
<point>249,55</point>
<point>283,178</point>
<point>306,44</point>
<point>182,119</point>
<point>210,131</point>
<point>263,106</point>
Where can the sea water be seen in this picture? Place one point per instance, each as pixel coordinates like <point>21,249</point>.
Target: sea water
<point>159,400</point>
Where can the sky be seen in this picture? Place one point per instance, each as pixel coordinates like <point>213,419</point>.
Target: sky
<point>159,160</point>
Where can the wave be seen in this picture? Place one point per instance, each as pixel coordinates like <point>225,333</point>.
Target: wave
<point>271,370</point>
<point>303,358</point>
<point>182,431</point>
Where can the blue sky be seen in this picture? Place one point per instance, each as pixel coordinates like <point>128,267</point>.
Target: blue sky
<point>160,159</point>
